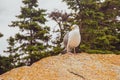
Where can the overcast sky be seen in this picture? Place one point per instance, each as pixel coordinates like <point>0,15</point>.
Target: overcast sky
<point>10,8</point>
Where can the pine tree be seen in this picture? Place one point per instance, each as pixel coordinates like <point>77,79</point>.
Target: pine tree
<point>98,25</point>
<point>5,64</point>
<point>13,56</point>
<point>32,38</point>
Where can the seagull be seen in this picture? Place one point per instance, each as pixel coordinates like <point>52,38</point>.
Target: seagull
<point>72,39</point>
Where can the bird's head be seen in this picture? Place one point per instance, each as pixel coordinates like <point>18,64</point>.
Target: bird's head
<point>74,27</point>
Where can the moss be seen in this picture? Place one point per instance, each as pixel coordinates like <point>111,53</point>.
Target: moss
<point>100,51</point>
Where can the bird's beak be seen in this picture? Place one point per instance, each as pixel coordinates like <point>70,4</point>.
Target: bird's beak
<point>72,27</point>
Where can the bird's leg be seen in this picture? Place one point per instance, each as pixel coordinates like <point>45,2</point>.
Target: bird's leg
<point>74,51</point>
<point>67,48</point>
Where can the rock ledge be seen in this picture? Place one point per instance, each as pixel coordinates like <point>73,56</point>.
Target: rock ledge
<point>81,66</point>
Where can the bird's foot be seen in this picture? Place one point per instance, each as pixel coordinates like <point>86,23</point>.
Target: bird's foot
<point>69,53</point>
<point>75,53</point>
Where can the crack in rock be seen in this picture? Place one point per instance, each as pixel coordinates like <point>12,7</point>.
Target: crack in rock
<point>77,74</point>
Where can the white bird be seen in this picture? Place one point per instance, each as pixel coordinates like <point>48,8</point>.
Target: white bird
<point>72,39</point>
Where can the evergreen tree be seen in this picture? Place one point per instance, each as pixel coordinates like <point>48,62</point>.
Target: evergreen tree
<point>98,25</point>
<point>13,56</point>
<point>32,39</point>
<point>5,64</point>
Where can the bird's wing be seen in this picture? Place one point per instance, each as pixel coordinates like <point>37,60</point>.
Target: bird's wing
<point>65,39</point>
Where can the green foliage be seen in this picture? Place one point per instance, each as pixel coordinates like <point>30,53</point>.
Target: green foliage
<point>100,51</point>
<point>10,62</point>
<point>32,39</point>
<point>56,50</point>
<point>5,64</point>
<point>97,24</point>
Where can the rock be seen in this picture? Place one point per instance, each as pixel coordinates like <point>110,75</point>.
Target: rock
<point>81,66</point>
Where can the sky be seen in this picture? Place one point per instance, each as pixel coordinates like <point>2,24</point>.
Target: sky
<point>10,8</point>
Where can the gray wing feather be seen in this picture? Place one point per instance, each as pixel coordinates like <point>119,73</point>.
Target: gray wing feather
<point>65,39</point>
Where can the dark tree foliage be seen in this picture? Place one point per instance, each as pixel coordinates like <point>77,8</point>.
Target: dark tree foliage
<point>31,42</point>
<point>98,24</point>
<point>1,34</point>
<point>5,64</point>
